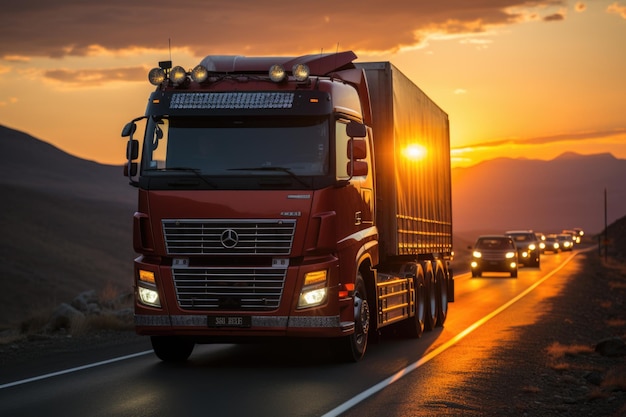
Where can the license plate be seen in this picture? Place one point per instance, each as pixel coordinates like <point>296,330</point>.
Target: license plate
<point>229,321</point>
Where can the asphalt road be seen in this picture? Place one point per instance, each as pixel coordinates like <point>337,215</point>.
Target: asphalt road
<point>397,376</point>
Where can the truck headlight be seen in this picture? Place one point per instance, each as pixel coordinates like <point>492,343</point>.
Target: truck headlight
<point>509,255</point>
<point>314,291</point>
<point>149,296</point>
<point>477,254</point>
<point>147,289</point>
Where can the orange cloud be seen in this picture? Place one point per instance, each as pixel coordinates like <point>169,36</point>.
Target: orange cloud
<point>618,9</point>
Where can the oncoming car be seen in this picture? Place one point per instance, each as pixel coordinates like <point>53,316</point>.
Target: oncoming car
<point>552,244</point>
<point>566,242</point>
<point>494,253</point>
<point>528,251</point>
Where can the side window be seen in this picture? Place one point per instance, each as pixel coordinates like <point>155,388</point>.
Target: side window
<point>155,146</point>
<point>341,157</point>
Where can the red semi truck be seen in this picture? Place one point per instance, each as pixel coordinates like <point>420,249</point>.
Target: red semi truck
<point>289,197</point>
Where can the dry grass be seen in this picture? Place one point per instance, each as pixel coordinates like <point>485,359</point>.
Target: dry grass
<point>615,379</point>
<point>617,285</point>
<point>558,351</point>
<point>615,322</point>
<point>85,325</point>
<point>38,323</point>
<point>531,389</point>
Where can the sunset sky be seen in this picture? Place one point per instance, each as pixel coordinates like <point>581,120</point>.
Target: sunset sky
<point>517,78</point>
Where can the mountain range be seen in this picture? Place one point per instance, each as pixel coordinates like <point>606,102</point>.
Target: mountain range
<point>66,223</point>
<point>569,191</point>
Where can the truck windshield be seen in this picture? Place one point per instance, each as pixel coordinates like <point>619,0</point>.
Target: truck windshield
<point>238,146</point>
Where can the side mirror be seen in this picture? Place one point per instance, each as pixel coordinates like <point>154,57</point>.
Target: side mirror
<point>132,149</point>
<point>357,149</point>
<point>356,130</point>
<point>357,168</point>
<point>129,129</point>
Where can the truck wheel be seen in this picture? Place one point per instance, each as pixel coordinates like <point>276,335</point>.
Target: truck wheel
<point>172,349</point>
<point>413,327</point>
<point>441,284</point>
<point>352,348</point>
<point>430,318</point>
<point>514,274</point>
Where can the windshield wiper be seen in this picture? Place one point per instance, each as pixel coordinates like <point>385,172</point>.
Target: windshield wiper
<point>195,171</point>
<point>280,169</point>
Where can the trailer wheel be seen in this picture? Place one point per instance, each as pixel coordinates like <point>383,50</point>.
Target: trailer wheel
<point>172,349</point>
<point>413,327</point>
<point>352,348</point>
<point>441,282</point>
<point>430,318</point>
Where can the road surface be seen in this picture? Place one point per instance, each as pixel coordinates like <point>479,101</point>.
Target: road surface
<point>396,376</point>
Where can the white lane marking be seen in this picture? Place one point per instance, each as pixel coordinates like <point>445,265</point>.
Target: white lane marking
<point>431,355</point>
<point>69,371</point>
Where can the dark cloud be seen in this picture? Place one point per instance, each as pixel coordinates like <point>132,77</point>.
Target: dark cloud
<point>554,17</point>
<point>97,77</point>
<point>542,140</point>
<point>254,27</point>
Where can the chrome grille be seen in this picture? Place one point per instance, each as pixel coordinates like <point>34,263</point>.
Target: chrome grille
<point>228,237</point>
<point>229,288</point>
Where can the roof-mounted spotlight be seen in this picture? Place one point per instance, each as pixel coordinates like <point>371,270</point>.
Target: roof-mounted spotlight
<point>178,75</point>
<point>156,76</point>
<point>277,73</point>
<point>300,72</point>
<point>199,74</point>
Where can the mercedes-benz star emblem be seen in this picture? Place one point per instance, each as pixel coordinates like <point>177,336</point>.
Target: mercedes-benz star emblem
<point>229,238</point>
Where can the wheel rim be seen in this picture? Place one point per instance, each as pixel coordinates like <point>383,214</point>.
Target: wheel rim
<point>361,319</point>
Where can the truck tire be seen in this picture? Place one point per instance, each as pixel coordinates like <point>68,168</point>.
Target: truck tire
<point>430,317</point>
<point>171,348</point>
<point>352,348</point>
<point>413,327</point>
<point>441,284</point>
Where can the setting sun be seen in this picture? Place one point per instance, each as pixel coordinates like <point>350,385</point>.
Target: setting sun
<point>415,152</point>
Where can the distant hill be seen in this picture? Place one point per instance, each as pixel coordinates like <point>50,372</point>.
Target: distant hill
<point>66,226</point>
<point>546,196</point>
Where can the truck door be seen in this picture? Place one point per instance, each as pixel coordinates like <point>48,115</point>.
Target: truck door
<point>363,204</point>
